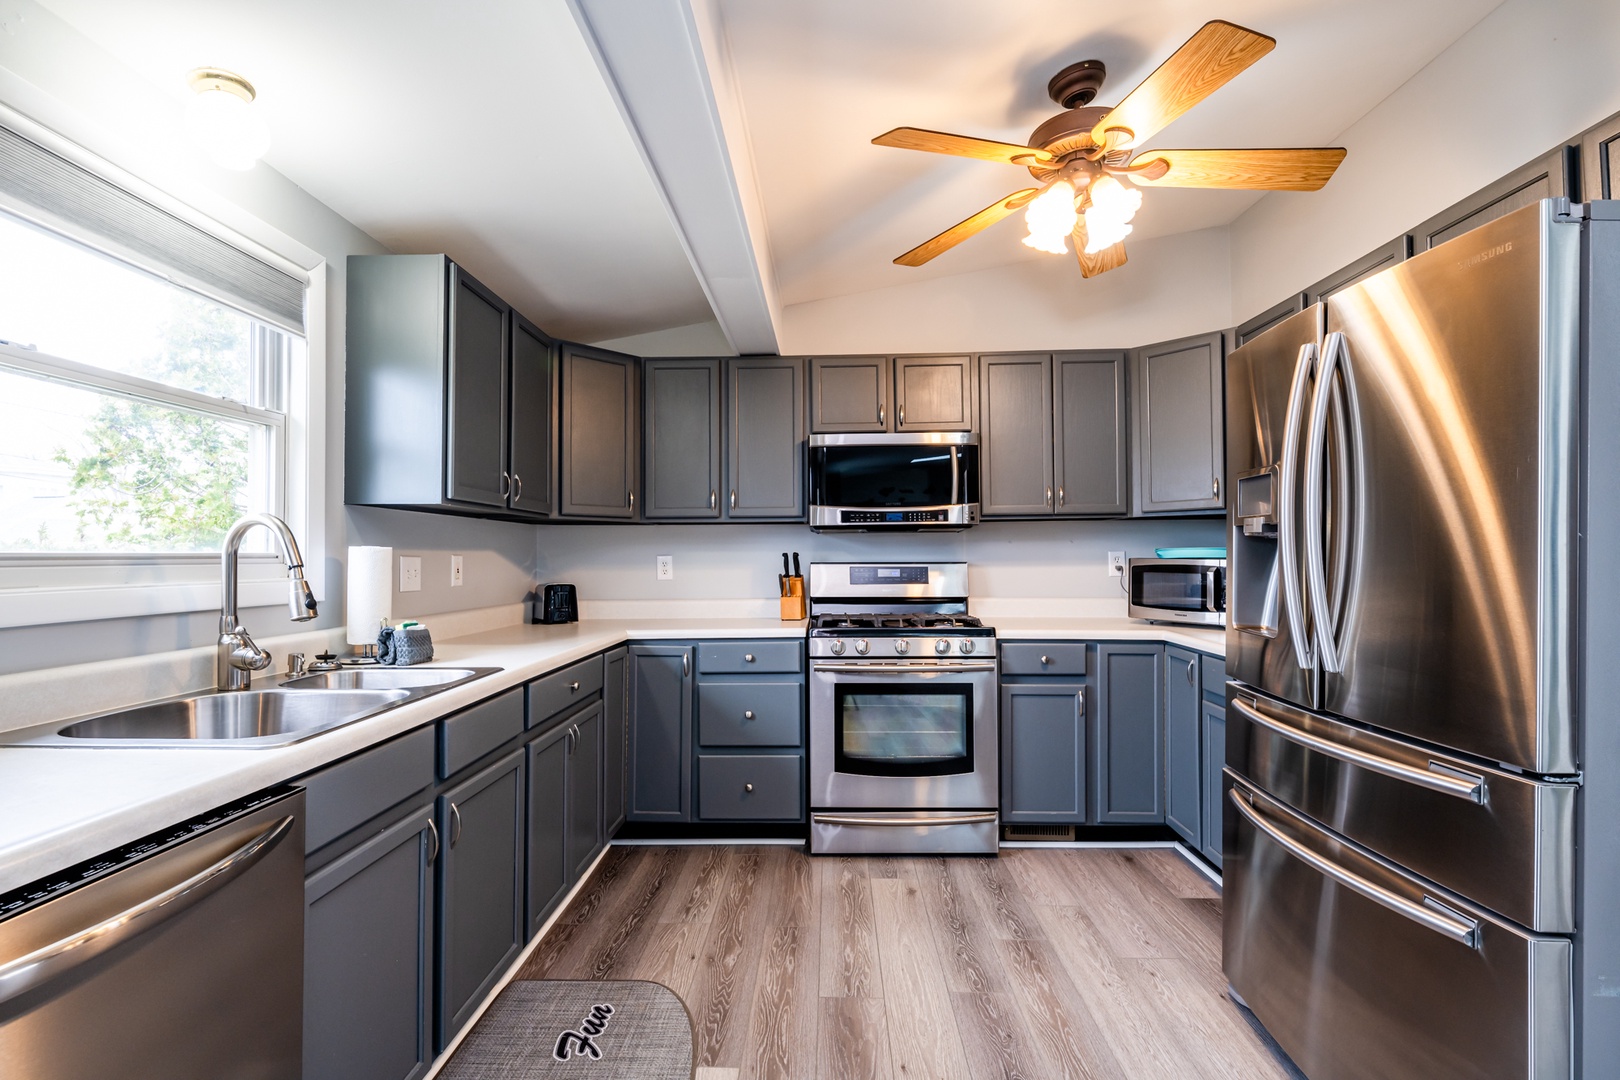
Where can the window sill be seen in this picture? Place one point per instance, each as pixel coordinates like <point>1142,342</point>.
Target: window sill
<point>48,605</point>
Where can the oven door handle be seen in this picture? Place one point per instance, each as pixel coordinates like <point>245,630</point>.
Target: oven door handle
<point>890,822</point>
<point>903,669</point>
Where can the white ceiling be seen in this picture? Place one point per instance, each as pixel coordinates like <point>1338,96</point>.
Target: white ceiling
<point>480,129</point>
<point>819,78</point>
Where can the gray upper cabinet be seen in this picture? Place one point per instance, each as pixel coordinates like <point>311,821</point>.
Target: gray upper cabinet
<point>1089,428</point>
<point>1548,177</point>
<point>615,738</point>
<point>765,421</point>
<point>533,424</point>
<point>1015,451</point>
<point>681,410</point>
<point>1247,331</point>
<point>660,733</point>
<point>1179,435</point>
<point>1600,160</point>
<point>933,393</point>
<point>1128,744</point>
<point>600,433</point>
<point>850,393</point>
<point>1184,788</point>
<point>478,383</point>
<point>1379,259</point>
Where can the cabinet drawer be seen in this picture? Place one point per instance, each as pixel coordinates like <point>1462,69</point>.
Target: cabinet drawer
<point>747,657</point>
<point>1213,673</point>
<point>753,787</point>
<point>751,714</point>
<point>551,694</point>
<point>350,793</point>
<point>472,733</point>
<point>1050,658</point>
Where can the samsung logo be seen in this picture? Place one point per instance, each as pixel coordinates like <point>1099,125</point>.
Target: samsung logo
<point>1488,253</point>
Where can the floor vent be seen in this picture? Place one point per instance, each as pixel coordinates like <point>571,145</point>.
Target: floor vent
<point>1061,833</point>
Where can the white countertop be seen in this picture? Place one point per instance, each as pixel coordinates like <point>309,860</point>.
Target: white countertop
<point>61,805</point>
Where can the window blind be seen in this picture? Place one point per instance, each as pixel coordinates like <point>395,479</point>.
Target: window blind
<point>99,210</point>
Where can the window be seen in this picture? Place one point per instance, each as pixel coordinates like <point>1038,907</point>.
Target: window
<point>136,415</point>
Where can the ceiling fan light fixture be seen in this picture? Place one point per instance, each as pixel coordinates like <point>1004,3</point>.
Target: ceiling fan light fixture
<point>1108,216</point>
<point>223,120</point>
<point>1051,217</point>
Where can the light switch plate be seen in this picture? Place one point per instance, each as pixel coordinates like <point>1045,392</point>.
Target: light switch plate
<point>666,568</point>
<point>456,579</point>
<point>1116,563</point>
<point>410,573</point>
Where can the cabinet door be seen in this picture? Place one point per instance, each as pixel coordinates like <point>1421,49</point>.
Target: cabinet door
<point>681,410</point>
<point>475,415</point>
<point>1376,261</point>
<point>1043,752</point>
<point>1180,433</point>
<point>933,393</point>
<point>1128,740</point>
<point>615,738</point>
<point>532,427</point>
<point>600,428</point>
<point>1015,442</point>
<point>480,888</point>
<point>765,417</point>
<point>1600,160</point>
<point>368,958</point>
<point>584,791</point>
<point>1183,745</point>
<point>660,733</point>
<point>1545,178</point>
<point>850,393</point>
<point>1090,448</point>
<point>1214,717</point>
<point>548,824</point>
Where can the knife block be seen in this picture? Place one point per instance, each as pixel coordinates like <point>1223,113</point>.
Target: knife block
<point>792,599</point>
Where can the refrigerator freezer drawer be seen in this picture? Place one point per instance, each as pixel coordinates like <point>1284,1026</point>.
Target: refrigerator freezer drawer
<point>1362,972</point>
<point>1504,841</point>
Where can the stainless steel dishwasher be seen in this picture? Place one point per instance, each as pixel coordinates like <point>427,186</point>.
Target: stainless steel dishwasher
<point>180,955</point>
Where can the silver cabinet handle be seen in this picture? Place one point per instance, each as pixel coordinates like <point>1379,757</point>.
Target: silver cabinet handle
<point>748,714</point>
<point>734,498</point>
<point>1441,778</point>
<point>1045,660</point>
<point>1215,488</point>
<point>632,501</point>
<point>901,415</point>
<point>686,664</point>
<point>1430,914</point>
<point>748,657</point>
<point>1080,700</point>
<point>433,842</point>
<point>517,487</point>
<point>455,824</point>
<point>1061,499</point>
<point>573,687</point>
<point>1048,495</point>
<point>58,958</point>
<point>506,485</point>
<point>748,787</point>
<point>880,413</point>
<point>1190,665</point>
<point>713,501</point>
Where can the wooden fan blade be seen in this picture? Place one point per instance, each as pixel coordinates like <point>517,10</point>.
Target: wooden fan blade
<point>1208,61</point>
<point>964,229</point>
<point>1259,170</point>
<point>1109,258</point>
<point>940,142</point>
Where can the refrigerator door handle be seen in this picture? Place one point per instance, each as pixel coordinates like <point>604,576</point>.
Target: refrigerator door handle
<point>1437,777</point>
<point>1315,480</point>
<point>1430,914</point>
<point>1287,512</point>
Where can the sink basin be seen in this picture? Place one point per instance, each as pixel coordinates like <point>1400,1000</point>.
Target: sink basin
<point>383,678</point>
<point>237,718</point>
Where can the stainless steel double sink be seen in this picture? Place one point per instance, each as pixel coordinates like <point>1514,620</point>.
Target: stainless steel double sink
<point>296,709</point>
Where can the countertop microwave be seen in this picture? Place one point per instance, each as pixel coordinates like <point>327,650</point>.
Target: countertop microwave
<point>1178,590</point>
<point>926,480</point>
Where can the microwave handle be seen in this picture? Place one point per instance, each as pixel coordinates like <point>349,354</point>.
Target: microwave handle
<point>1212,581</point>
<point>956,476</point>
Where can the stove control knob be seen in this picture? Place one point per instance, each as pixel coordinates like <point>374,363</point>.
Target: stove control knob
<point>837,648</point>
<point>861,646</point>
<point>902,646</point>
<point>942,646</point>
<point>966,646</point>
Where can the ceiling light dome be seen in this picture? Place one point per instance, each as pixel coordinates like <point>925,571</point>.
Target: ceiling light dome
<point>1051,217</point>
<point>222,119</point>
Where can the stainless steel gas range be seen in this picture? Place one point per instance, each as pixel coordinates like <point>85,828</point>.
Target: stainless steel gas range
<point>904,734</point>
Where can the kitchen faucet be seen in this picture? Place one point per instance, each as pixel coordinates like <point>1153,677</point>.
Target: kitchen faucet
<point>239,657</point>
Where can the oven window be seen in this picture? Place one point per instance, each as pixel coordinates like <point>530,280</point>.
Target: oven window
<point>897,476</point>
<point>902,729</point>
<point>1177,590</point>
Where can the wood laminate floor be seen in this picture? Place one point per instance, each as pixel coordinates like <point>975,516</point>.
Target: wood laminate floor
<point>1094,963</point>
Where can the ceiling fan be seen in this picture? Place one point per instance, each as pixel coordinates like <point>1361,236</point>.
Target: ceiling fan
<point>1081,155</point>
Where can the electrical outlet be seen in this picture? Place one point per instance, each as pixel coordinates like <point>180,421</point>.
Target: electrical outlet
<point>410,573</point>
<point>1116,563</point>
<point>666,568</point>
<point>456,579</point>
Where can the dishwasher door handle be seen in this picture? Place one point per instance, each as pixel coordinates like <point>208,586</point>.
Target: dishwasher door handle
<point>52,961</point>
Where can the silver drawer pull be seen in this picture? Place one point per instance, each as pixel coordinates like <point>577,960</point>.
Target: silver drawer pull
<point>748,714</point>
<point>907,822</point>
<point>573,687</point>
<point>1045,660</point>
<point>749,657</point>
<point>748,787</point>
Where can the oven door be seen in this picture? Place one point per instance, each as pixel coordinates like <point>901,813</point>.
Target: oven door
<point>904,735</point>
<point>1180,590</point>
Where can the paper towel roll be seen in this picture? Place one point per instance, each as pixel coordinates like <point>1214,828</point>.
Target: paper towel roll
<point>371,592</point>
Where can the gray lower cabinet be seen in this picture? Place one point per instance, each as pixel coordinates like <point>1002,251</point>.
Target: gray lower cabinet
<point>765,435</point>
<point>1128,751</point>
<point>481,920</point>
<point>1043,751</point>
<point>615,737</point>
<point>585,836</point>
<point>850,393</point>
<point>934,393</point>
<point>750,731</point>
<point>1183,746</point>
<point>548,879</point>
<point>681,414</point>
<point>1179,434</point>
<point>601,428</point>
<point>660,733</point>
<point>368,957</point>
<point>1213,715</point>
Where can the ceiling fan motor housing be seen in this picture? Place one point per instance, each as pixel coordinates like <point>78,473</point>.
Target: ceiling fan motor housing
<point>1077,84</point>
<point>1066,133</point>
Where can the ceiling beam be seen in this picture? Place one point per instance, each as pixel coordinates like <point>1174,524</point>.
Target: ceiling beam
<point>652,56</point>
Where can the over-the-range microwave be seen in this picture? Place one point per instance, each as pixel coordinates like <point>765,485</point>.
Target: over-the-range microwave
<point>904,480</point>
<point>1178,590</point>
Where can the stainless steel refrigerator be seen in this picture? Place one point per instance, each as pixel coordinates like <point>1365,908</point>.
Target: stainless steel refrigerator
<point>1422,791</point>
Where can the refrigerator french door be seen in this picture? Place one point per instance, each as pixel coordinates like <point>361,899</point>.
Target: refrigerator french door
<point>1403,773</point>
